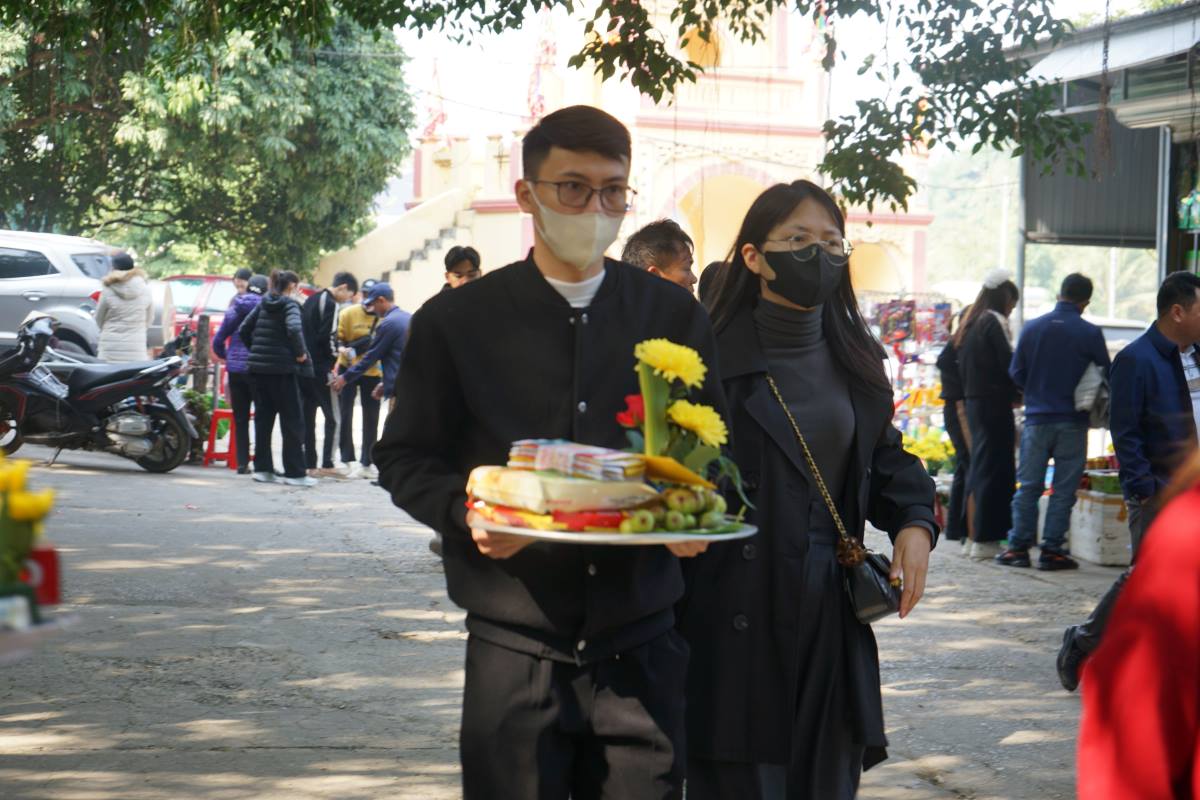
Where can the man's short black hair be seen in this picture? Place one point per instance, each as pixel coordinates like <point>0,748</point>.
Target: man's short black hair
<point>1076,288</point>
<point>1179,288</point>
<point>345,279</point>
<point>657,245</point>
<point>458,253</point>
<point>578,129</point>
<point>243,274</point>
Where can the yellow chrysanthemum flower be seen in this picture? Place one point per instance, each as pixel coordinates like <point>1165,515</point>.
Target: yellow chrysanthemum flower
<point>30,506</point>
<point>703,421</point>
<point>672,361</point>
<point>12,476</point>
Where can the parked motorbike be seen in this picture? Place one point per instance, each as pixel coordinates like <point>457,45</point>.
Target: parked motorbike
<point>132,410</point>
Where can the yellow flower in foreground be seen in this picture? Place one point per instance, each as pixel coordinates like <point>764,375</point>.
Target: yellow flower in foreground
<point>12,476</point>
<point>672,361</point>
<point>30,506</point>
<point>700,420</point>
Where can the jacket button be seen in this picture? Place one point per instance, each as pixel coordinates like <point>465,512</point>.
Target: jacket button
<point>581,645</point>
<point>591,570</point>
<point>749,552</point>
<point>572,320</point>
<point>741,623</point>
<point>582,407</point>
<point>583,318</point>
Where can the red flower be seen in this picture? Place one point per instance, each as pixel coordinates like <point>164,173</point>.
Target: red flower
<point>634,414</point>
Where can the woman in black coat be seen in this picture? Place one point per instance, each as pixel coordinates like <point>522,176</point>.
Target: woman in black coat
<point>274,335</point>
<point>954,413</point>
<point>984,347</point>
<point>783,685</point>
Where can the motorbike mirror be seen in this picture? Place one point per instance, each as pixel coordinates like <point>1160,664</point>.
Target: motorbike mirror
<point>34,316</point>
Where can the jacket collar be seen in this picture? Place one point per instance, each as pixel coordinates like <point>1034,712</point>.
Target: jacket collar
<point>739,351</point>
<point>1162,344</point>
<point>532,287</point>
<point>1067,307</point>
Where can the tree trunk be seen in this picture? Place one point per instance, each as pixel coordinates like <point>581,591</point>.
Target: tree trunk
<point>201,360</point>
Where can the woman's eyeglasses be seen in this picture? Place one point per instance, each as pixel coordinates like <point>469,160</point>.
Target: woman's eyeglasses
<point>575,194</point>
<point>803,248</point>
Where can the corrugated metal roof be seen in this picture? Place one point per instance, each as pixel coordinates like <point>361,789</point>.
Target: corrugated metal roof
<point>1082,57</point>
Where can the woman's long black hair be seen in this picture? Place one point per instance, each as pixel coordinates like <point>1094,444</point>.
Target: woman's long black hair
<point>734,288</point>
<point>996,299</point>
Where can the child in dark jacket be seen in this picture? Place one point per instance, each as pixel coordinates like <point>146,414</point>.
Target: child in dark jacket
<point>235,355</point>
<point>278,359</point>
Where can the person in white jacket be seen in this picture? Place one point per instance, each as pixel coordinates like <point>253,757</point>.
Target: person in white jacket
<point>124,312</point>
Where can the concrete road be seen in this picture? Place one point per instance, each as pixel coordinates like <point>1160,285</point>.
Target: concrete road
<point>240,640</point>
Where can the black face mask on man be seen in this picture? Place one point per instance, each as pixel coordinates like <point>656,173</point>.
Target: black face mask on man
<point>807,277</point>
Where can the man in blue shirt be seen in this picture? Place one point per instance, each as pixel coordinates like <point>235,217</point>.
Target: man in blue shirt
<point>1152,416</point>
<point>1051,357</point>
<point>387,345</point>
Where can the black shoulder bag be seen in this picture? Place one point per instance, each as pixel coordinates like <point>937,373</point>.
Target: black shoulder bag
<point>867,575</point>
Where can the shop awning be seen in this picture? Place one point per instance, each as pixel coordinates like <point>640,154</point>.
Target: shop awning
<point>1129,46</point>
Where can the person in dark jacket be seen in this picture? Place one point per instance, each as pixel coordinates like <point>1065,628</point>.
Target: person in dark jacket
<point>954,413</point>
<point>1152,415</point>
<point>1051,357</point>
<point>241,387</point>
<point>319,315</point>
<point>462,267</point>
<point>783,687</point>
<point>278,361</point>
<point>387,343</point>
<point>984,346</point>
<point>574,672</point>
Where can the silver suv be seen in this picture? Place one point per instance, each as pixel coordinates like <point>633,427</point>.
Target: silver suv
<point>60,275</point>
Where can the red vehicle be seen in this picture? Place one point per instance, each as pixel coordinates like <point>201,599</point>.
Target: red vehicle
<point>198,295</point>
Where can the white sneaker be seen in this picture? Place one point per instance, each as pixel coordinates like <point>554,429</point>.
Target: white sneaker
<point>984,551</point>
<point>265,477</point>
<point>304,481</point>
<point>370,473</point>
<point>352,470</point>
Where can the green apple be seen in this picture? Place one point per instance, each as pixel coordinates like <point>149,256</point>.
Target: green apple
<point>712,519</point>
<point>642,519</point>
<point>674,520</point>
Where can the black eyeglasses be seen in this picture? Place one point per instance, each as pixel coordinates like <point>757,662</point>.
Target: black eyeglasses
<point>803,248</point>
<point>575,194</point>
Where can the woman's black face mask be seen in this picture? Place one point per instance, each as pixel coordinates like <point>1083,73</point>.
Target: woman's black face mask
<point>807,277</point>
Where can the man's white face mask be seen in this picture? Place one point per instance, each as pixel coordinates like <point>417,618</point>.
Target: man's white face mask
<point>577,239</point>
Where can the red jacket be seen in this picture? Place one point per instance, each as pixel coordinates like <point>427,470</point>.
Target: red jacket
<point>1139,736</point>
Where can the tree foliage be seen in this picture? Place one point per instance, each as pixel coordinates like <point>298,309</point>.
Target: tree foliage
<point>957,79</point>
<point>246,144</point>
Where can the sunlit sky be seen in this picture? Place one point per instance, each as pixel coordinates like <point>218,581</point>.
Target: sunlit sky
<point>477,87</point>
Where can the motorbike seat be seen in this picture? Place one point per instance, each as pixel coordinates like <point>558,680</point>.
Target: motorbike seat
<point>88,376</point>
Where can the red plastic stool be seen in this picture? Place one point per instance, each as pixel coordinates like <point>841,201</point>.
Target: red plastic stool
<point>229,455</point>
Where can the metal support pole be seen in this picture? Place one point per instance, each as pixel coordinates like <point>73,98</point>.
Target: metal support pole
<point>1021,241</point>
<point>1163,226</point>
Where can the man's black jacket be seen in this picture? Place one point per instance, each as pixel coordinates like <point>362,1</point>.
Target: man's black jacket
<point>320,315</point>
<point>505,358</point>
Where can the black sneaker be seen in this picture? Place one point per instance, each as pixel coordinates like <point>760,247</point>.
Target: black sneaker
<point>1051,560</point>
<point>1069,660</point>
<point>1013,558</point>
<point>243,469</point>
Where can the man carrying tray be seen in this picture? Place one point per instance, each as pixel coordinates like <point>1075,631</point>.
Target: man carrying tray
<point>574,674</point>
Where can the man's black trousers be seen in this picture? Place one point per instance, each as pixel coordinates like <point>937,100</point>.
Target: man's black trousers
<point>317,394</point>
<point>370,424</point>
<point>538,729</point>
<point>278,395</point>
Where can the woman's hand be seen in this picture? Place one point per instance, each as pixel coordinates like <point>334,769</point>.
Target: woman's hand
<point>910,562</point>
<point>687,549</point>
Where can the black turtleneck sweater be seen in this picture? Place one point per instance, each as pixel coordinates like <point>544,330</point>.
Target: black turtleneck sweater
<point>814,387</point>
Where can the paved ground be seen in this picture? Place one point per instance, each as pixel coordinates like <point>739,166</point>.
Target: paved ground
<point>239,641</point>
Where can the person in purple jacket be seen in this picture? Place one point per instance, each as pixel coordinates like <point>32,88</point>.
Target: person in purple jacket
<point>241,391</point>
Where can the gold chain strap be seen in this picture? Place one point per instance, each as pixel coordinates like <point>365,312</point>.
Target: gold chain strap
<point>850,552</point>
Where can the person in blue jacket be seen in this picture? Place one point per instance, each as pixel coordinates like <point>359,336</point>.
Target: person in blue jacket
<point>386,346</point>
<point>1052,354</point>
<point>235,356</point>
<point>1153,411</point>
